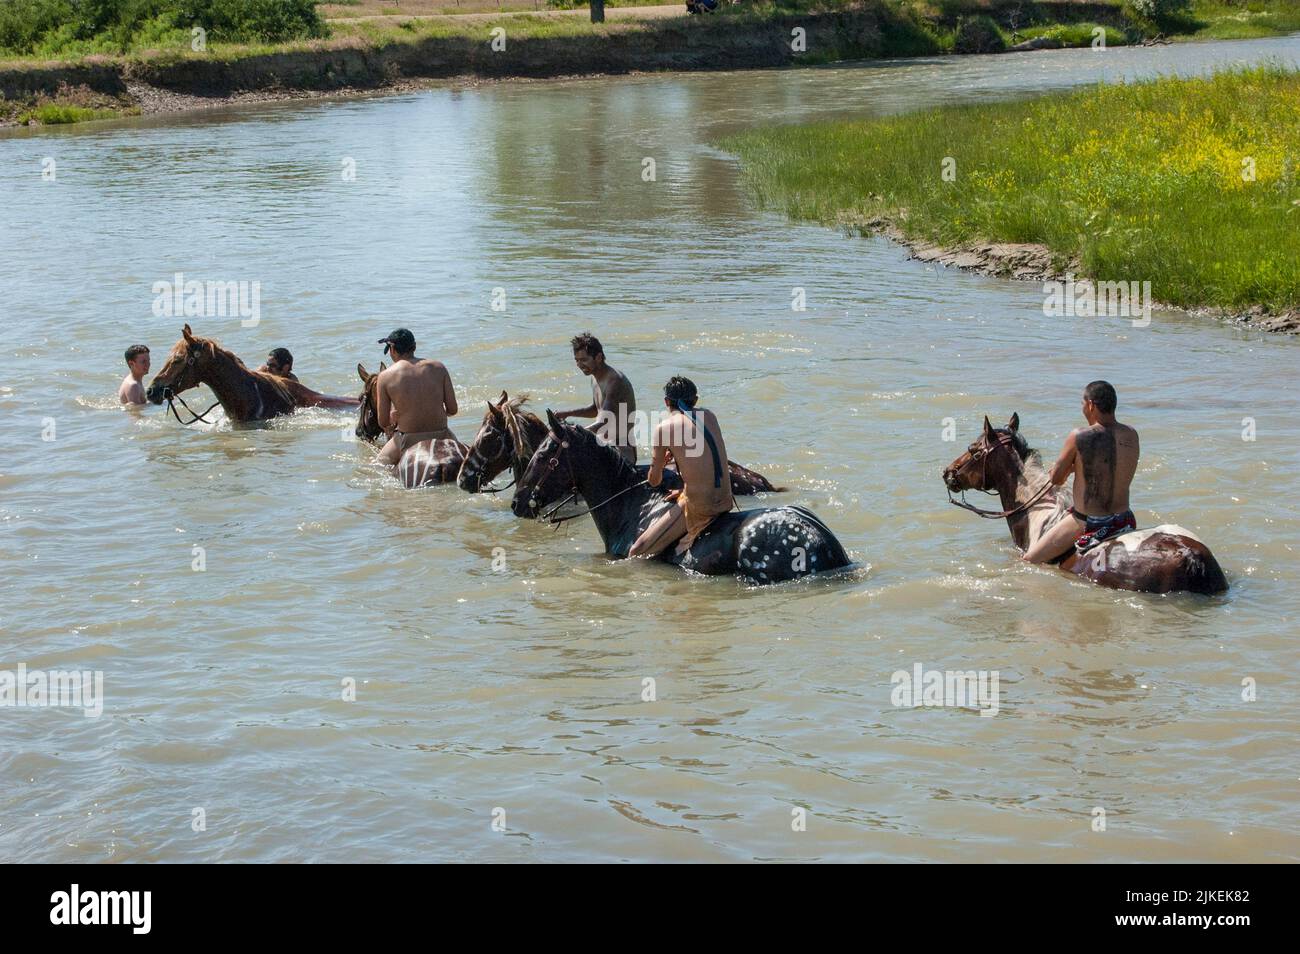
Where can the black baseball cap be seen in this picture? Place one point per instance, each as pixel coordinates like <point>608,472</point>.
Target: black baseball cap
<point>401,340</point>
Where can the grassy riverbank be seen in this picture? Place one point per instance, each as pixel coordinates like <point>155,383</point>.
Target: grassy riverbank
<point>1193,185</point>
<point>283,48</point>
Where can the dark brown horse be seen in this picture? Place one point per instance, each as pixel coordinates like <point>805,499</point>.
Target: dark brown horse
<point>244,395</point>
<point>1164,559</point>
<point>510,435</point>
<point>423,463</point>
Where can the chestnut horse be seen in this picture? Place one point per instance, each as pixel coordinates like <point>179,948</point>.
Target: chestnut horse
<point>1164,559</point>
<point>244,395</point>
<point>423,463</point>
<point>767,545</point>
<point>509,437</point>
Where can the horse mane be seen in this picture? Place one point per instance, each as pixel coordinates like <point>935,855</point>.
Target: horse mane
<point>517,421</point>
<point>274,382</point>
<point>624,468</point>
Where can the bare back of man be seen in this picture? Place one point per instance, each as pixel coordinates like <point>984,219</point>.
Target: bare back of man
<point>415,397</point>
<point>706,491</point>
<point>1103,459</point>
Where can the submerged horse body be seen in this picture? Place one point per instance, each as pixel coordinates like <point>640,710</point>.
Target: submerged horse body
<point>510,435</point>
<point>766,545</point>
<point>246,396</point>
<point>433,461</point>
<point>1163,559</point>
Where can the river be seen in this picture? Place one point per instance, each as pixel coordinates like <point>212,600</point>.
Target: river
<point>515,694</point>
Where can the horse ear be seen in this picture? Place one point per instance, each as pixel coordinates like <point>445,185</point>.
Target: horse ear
<point>988,428</point>
<point>553,422</point>
<point>187,334</point>
<point>504,398</point>
<point>382,366</point>
<point>1014,423</point>
<point>494,411</point>
<point>362,373</point>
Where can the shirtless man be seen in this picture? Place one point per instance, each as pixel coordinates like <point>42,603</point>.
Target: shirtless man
<point>691,437</point>
<point>1103,458</point>
<point>137,362</point>
<point>280,362</point>
<point>413,399</point>
<point>612,400</point>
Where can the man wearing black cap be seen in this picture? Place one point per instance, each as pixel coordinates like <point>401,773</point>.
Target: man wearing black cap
<point>414,398</point>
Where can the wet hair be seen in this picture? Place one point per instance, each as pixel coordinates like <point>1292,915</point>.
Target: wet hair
<point>587,342</point>
<point>679,388</point>
<point>282,357</point>
<point>1102,394</point>
<point>134,352</point>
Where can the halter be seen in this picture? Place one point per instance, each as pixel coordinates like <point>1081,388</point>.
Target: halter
<point>983,456</point>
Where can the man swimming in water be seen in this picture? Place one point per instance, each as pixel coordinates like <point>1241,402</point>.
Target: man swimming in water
<point>280,362</point>
<point>413,398</point>
<point>1103,458</point>
<point>692,438</point>
<point>612,399</point>
<point>137,363</point>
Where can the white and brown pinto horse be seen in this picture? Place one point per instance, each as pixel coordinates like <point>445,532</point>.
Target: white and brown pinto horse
<point>1163,559</point>
<point>435,461</point>
<point>246,396</point>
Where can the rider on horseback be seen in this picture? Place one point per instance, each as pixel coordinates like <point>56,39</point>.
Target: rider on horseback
<point>413,399</point>
<point>1103,458</point>
<point>707,483</point>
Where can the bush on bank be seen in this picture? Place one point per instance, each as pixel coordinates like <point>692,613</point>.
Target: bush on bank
<point>52,28</point>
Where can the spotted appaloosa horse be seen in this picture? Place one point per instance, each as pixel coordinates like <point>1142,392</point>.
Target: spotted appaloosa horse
<point>246,396</point>
<point>768,545</point>
<point>509,437</point>
<point>1164,559</point>
<point>423,463</point>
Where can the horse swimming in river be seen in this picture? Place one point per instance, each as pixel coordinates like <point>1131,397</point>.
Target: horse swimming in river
<point>435,461</point>
<point>509,437</point>
<point>767,545</point>
<point>1164,559</point>
<point>246,396</point>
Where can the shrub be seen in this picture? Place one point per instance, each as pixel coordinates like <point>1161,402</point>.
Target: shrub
<point>979,35</point>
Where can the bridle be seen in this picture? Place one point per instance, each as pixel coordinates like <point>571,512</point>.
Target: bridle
<point>170,396</point>
<point>480,460</point>
<point>550,515</point>
<point>982,455</point>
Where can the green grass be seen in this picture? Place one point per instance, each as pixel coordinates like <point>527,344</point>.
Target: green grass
<point>1137,182</point>
<point>1246,20</point>
<point>56,114</point>
<point>1071,34</point>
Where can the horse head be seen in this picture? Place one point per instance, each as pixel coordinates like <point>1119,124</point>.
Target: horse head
<point>368,428</point>
<point>550,474</point>
<point>491,450</point>
<point>997,453</point>
<point>184,367</point>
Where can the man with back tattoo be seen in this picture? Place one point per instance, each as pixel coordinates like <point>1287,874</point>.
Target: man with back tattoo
<point>1103,458</point>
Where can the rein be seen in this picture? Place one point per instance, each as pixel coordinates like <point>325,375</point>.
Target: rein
<point>1003,441</point>
<point>193,416</point>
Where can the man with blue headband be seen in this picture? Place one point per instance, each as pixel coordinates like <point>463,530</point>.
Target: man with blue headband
<point>691,437</point>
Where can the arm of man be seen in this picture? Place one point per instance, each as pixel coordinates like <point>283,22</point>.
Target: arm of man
<point>659,460</point>
<point>1064,465</point>
<point>449,394</point>
<point>588,411</point>
<point>383,405</point>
